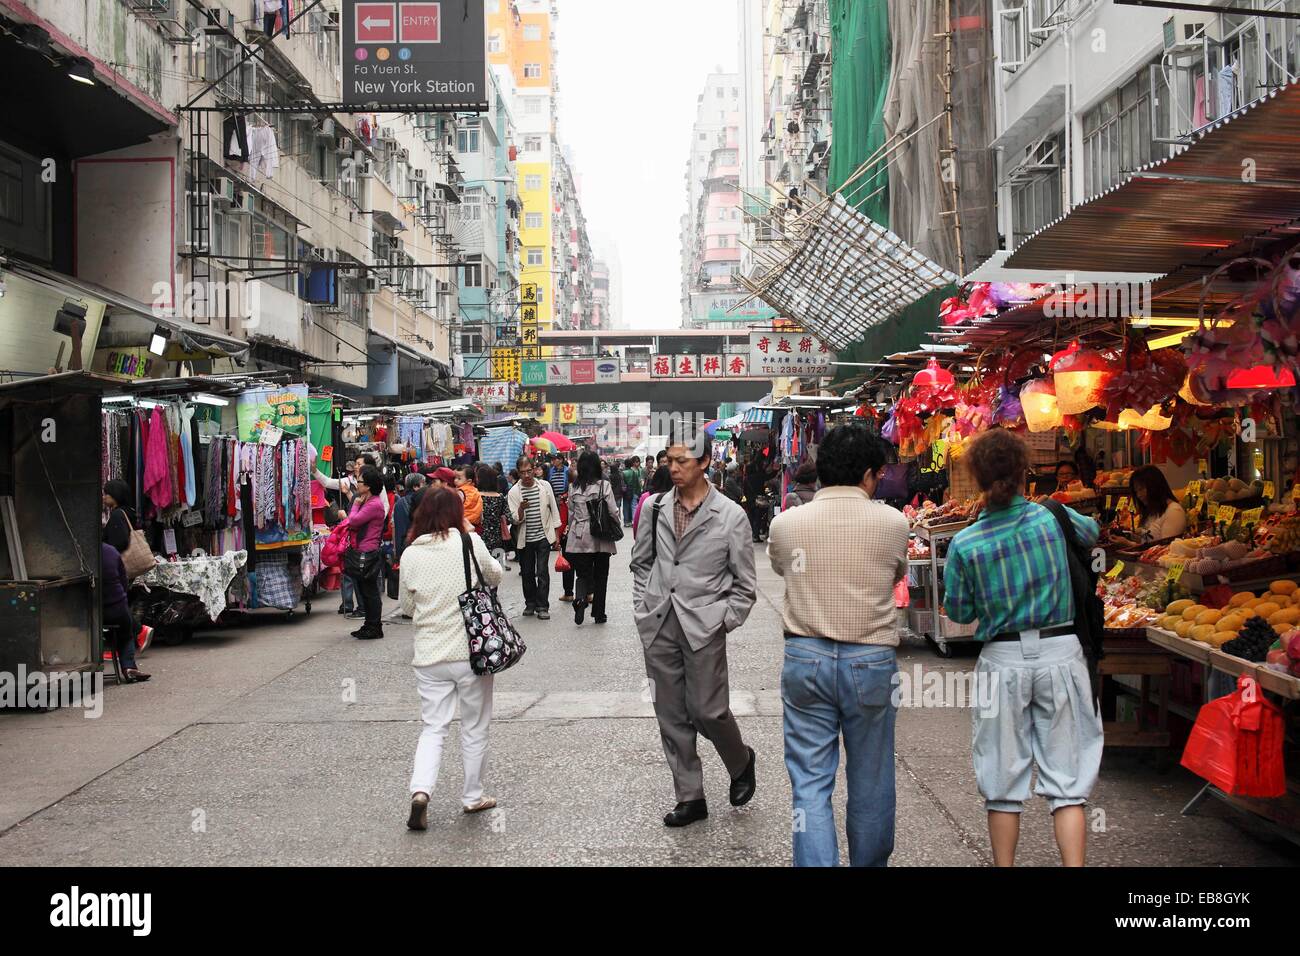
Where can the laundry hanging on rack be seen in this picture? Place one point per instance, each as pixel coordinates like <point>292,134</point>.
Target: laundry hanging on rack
<point>410,432</point>
<point>234,133</point>
<point>264,153</point>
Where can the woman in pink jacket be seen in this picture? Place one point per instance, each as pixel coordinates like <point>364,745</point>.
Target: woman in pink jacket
<point>367,523</point>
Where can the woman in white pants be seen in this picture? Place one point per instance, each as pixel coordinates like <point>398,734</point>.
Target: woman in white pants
<point>433,576</point>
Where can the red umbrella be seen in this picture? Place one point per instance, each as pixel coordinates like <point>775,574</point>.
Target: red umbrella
<point>561,442</point>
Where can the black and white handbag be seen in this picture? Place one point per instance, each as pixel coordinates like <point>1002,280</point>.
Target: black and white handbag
<point>494,644</point>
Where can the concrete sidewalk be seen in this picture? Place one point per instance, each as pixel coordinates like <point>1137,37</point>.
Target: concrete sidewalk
<point>290,742</point>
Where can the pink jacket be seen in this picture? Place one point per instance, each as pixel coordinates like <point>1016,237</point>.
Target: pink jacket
<point>340,539</point>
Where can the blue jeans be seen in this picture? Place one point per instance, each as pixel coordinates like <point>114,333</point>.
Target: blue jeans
<point>827,688</point>
<point>629,501</point>
<point>348,591</point>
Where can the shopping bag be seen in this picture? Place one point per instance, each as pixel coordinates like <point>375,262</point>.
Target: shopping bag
<point>1236,743</point>
<point>562,563</point>
<point>494,644</point>
<point>138,558</point>
<point>902,597</point>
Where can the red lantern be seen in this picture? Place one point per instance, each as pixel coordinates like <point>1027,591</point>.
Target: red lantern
<point>1079,376</point>
<point>1261,376</point>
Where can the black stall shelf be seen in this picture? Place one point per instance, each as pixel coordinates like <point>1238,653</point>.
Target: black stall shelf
<point>50,503</point>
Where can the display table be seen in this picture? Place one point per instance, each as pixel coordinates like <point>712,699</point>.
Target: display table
<point>1137,659</point>
<point>207,577</point>
<point>1281,815</point>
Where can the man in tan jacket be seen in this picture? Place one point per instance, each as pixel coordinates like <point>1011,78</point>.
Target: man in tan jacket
<point>693,582</point>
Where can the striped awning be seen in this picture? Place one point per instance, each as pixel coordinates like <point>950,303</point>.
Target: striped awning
<point>758,417</point>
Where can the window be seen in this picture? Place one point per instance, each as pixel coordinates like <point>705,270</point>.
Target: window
<point>271,242</point>
<point>472,342</point>
<point>533,105</point>
<point>1036,192</point>
<point>467,141</point>
<point>532,144</point>
<point>720,92</point>
<point>1117,135</point>
<point>533,32</point>
<point>703,137</point>
<point>536,256</point>
<point>533,181</point>
<point>472,273</point>
<point>532,220</point>
<point>532,71</point>
<point>471,205</point>
<point>494,43</point>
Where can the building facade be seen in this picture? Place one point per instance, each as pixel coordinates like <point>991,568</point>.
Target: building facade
<point>264,226</point>
<point>711,225</point>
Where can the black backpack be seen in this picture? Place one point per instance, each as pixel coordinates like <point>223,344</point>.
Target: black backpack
<point>1089,615</point>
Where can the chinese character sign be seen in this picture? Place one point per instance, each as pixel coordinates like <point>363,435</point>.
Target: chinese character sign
<point>528,292</point>
<point>505,364</point>
<point>661,366</point>
<point>488,393</point>
<point>709,365</point>
<point>788,353</point>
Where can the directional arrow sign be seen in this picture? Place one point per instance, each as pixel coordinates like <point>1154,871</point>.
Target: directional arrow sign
<point>376,22</point>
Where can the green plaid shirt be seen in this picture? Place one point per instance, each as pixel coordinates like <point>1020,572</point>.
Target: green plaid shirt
<point>1009,570</point>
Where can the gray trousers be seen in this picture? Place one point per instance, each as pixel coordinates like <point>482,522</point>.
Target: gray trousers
<point>690,693</point>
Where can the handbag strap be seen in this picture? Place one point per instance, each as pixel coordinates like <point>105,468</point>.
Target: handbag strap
<point>654,528</point>
<point>467,552</point>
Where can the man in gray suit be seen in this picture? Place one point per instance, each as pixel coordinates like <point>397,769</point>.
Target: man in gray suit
<point>693,581</point>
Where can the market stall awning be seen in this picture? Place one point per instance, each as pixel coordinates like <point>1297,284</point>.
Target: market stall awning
<point>130,322</point>
<point>758,417</point>
<point>1235,186</point>
<point>839,273</point>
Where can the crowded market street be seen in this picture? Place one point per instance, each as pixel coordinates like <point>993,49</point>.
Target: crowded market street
<point>243,751</point>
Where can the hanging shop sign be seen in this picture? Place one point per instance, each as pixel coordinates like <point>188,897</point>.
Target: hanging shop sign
<point>489,393</point>
<point>607,372</point>
<point>583,371</point>
<point>602,409</point>
<point>569,414</point>
<point>272,413</point>
<point>788,353</point>
<point>699,366</point>
<point>130,362</point>
<point>559,372</point>
<point>403,53</point>
<point>506,364</point>
<point>528,292</point>
<point>533,373</point>
<point>527,401</point>
<point>581,431</point>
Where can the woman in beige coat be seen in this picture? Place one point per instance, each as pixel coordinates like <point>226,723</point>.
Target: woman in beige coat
<point>588,554</point>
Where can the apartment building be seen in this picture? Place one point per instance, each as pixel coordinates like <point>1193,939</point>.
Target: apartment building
<point>711,225</point>
<point>573,283</point>
<point>1087,90</point>
<point>487,226</point>
<point>219,194</point>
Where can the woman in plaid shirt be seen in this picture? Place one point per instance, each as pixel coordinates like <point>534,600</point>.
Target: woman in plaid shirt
<point>1009,570</point>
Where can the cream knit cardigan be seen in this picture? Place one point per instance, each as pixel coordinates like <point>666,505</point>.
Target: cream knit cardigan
<point>432,578</point>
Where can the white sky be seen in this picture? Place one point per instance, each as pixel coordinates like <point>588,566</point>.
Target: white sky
<point>630,73</point>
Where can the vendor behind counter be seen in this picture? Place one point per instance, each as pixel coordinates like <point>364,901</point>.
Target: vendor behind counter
<point>1160,515</point>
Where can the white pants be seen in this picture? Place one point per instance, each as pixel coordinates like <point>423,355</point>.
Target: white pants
<point>440,686</point>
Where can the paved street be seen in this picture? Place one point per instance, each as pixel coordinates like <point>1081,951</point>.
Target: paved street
<point>244,749</point>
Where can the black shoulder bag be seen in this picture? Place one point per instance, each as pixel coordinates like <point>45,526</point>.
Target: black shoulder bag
<point>494,644</point>
<point>603,525</point>
<point>1089,615</point>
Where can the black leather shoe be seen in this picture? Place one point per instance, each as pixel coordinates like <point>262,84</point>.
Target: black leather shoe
<point>686,813</point>
<point>742,787</point>
<point>579,609</point>
<point>360,632</point>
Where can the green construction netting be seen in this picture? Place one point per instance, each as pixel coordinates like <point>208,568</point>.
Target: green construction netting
<point>859,82</point>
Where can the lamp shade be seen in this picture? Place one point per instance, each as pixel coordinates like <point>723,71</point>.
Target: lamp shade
<point>1151,420</point>
<point>1038,399</point>
<point>1193,392</point>
<point>1261,376</point>
<point>932,376</point>
<point>1079,376</point>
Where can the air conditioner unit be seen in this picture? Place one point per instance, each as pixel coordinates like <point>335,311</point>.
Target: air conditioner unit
<point>370,285</point>
<point>386,132</point>
<point>223,188</point>
<point>327,127</point>
<point>418,175</point>
<point>444,288</point>
<point>1189,28</point>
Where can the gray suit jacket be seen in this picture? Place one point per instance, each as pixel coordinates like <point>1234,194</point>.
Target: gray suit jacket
<point>708,577</point>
